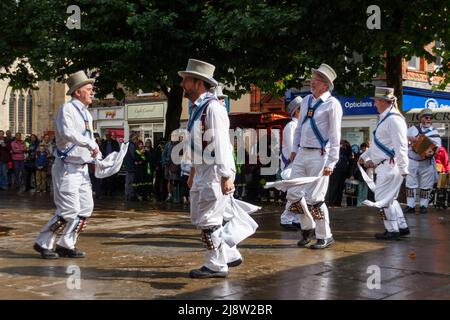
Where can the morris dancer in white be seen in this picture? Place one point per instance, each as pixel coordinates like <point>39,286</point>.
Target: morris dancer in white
<point>389,156</point>
<point>76,147</point>
<point>211,180</point>
<point>422,169</point>
<point>290,220</point>
<point>317,138</point>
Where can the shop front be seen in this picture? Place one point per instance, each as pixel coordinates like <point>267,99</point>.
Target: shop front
<point>415,100</point>
<point>111,119</point>
<point>359,119</point>
<point>146,119</point>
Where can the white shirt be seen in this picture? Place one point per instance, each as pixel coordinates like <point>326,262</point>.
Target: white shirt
<point>328,117</point>
<point>71,130</point>
<point>430,132</point>
<point>392,134</point>
<point>218,138</point>
<point>288,140</point>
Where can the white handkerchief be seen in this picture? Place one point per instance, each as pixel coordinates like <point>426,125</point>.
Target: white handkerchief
<point>111,164</point>
<point>283,185</point>
<point>241,226</point>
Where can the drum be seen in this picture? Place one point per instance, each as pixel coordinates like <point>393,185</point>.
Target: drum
<point>424,146</point>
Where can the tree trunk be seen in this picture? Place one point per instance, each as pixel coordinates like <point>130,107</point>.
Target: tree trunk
<point>394,77</point>
<point>174,108</point>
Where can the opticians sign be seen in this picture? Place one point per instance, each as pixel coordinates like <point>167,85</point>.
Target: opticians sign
<point>351,106</point>
<point>419,98</point>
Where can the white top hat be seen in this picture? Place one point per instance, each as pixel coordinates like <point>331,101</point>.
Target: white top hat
<point>77,80</point>
<point>328,73</point>
<point>425,112</point>
<point>384,93</point>
<point>294,105</point>
<point>199,70</point>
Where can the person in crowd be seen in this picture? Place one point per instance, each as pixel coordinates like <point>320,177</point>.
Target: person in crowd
<point>150,155</point>
<point>442,164</point>
<point>142,172</point>
<point>108,146</point>
<point>50,148</point>
<point>340,173</point>
<point>18,150</point>
<point>9,137</point>
<point>30,162</point>
<point>130,157</point>
<point>160,184</point>
<point>5,158</point>
<point>41,169</point>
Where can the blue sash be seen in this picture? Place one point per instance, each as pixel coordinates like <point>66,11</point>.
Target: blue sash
<point>312,121</point>
<point>197,113</point>
<point>63,154</point>
<point>285,161</point>
<point>389,152</point>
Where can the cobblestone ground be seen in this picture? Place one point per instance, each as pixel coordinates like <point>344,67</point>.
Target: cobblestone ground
<point>145,251</point>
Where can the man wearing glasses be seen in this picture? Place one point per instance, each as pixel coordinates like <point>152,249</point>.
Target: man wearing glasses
<point>422,169</point>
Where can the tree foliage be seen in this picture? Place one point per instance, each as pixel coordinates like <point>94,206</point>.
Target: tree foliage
<point>273,44</point>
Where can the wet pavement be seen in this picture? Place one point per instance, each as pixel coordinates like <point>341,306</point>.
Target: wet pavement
<point>145,251</point>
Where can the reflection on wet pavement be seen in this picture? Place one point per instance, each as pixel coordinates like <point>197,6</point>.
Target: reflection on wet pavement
<point>145,251</point>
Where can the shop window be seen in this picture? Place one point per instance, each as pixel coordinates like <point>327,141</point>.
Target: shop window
<point>12,112</point>
<point>29,113</point>
<point>20,114</point>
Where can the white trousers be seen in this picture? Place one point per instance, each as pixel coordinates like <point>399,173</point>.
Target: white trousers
<point>387,175</point>
<point>423,175</point>
<point>289,217</point>
<point>310,163</point>
<point>72,193</point>
<point>208,208</point>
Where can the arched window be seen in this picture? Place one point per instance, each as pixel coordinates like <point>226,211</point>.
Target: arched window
<point>20,114</point>
<point>12,112</point>
<point>29,113</point>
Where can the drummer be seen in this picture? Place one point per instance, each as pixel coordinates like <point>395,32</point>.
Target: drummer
<point>422,169</point>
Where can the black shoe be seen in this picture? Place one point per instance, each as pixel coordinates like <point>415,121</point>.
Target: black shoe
<point>404,232</point>
<point>71,253</point>
<point>388,235</point>
<point>423,210</point>
<point>204,272</point>
<point>306,237</point>
<point>409,210</point>
<point>234,263</point>
<point>322,243</point>
<point>45,253</point>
